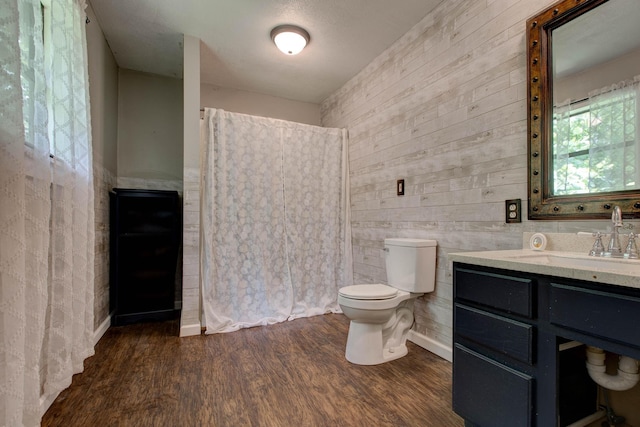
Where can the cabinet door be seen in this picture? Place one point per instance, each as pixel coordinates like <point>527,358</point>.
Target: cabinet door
<point>147,269</point>
<point>498,333</point>
<point>489,394</point>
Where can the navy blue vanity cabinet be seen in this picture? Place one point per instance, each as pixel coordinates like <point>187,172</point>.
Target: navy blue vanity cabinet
<point>518,358</point>
<point>609,312</point>
<point>144,254</point>
<point>493,351</point>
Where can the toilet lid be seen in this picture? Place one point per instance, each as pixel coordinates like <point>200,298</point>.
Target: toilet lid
<point>377,291</point>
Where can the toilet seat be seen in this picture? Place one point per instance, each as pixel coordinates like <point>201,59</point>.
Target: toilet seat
<point>368,292</point>
<point>371,297</point>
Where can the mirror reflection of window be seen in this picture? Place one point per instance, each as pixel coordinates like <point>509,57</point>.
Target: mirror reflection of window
<point>595,141</point>
<point>596,84</point>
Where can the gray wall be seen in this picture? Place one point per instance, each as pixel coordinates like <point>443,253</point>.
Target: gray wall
<point>150,148</point>
<point>136,122</point>
<point>256,104</point>
<point>445,109</point>
<point>578,85</point>
<point>103,92</point>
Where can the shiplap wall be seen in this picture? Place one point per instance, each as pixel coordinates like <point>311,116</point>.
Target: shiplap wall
<point>443,108</point>
<point>103,181</point>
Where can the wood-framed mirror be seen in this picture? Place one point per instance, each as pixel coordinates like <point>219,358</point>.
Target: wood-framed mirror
<point>583,119</point>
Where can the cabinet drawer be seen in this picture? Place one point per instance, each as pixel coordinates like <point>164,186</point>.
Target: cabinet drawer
<point>506,336</point>
<point>488,393</point>
<point>603,314</point>
<point>507,293</point>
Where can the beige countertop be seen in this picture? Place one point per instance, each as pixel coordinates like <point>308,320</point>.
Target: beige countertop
<point>572,265</point>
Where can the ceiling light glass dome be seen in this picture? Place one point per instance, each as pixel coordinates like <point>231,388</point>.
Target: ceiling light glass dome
<point>290,39</point>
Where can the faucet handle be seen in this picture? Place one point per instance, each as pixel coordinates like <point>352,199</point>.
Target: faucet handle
<point>632,250</point>
<point>598,247</point>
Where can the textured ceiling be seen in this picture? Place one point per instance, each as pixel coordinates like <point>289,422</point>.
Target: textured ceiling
<point>236,49</point>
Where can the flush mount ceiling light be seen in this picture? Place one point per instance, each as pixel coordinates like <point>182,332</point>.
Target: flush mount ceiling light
<point>290,39</point>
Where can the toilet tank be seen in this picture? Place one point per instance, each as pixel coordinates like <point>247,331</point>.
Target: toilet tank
<point>411,264</point>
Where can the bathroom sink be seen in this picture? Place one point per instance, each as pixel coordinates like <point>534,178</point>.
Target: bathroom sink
<point>582,262</point>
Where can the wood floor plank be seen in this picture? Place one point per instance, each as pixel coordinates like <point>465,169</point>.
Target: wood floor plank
<point>289,374</point>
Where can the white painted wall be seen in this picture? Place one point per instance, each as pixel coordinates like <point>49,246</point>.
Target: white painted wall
<point>190,315</point>
<point>445,109</point>
<point>150,125</point>
<point>256,104</point>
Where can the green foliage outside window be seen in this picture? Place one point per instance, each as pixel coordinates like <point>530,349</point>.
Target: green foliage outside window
<point>594,145</point>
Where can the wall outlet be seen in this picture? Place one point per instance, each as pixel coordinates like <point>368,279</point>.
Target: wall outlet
<point>513,211</point>
<point>400,187</point>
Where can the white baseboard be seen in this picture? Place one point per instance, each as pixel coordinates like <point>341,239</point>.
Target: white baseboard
<point>98,333</point>
<point>431,345</point>
<point>190,330</point>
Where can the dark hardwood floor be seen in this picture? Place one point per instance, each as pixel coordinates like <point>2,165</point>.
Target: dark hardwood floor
<point>289,374</point>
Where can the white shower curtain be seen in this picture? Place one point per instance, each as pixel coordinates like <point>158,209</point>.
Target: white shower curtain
<point>275,223</point>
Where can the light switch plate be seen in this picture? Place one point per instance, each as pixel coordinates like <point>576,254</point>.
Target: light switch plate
<point>513,211</point>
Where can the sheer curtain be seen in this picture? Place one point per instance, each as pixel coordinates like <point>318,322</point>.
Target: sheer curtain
<point>24,211</point>
<point>69,333</point>
<point>275,220</point>
<point>614,137</point>
<point>46,205</point>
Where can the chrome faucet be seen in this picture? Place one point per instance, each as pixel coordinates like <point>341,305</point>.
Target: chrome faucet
<point>614,250</point>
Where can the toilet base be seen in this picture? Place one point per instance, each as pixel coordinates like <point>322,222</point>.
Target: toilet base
<point>365,347</point>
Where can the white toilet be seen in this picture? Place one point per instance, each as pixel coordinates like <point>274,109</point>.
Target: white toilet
<point>381,315</point>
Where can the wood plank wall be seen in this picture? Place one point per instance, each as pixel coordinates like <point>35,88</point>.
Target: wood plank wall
<point>443,108</point>
<point>103,181</point>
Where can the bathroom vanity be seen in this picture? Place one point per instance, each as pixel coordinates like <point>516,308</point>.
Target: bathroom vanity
<point>520,318</point>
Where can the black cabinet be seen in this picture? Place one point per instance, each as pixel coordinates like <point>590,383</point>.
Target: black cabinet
<point>145,241</point>
<point>490,393</point>
<point>601,312</point>
<point>497,333</point>
<point>519,344</point>
<point>493,351</point>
